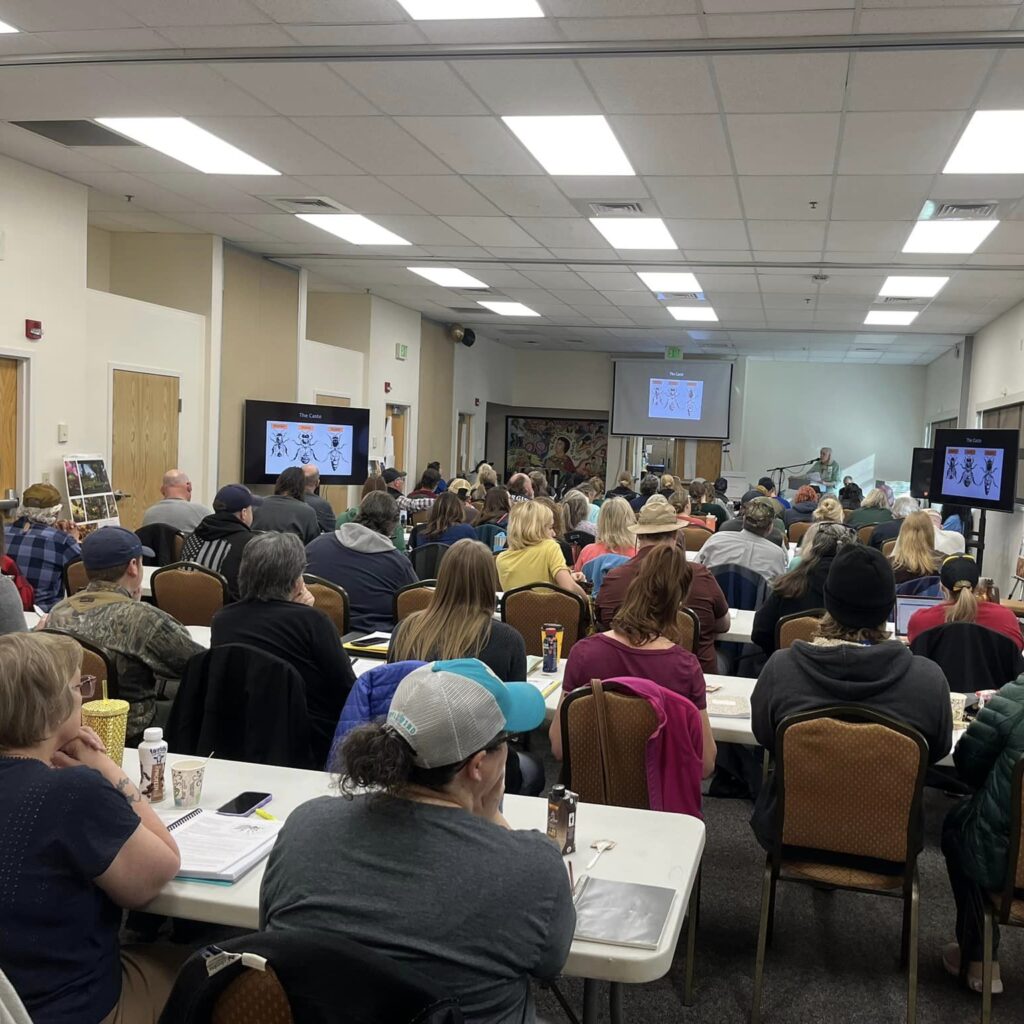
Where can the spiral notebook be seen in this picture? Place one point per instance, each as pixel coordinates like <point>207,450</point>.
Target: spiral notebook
<point>217,847</point>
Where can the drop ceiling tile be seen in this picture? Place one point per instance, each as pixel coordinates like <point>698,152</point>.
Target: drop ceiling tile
<point>939,19</point>
<point>1005,87</point>
<point>140,221</point>
<point>861,283</point>
<point>813,23</point>
<point>361,193</point>
<point>330,11</point>
<point>523,196</point>
<point>143,192</point>
<point>791,235</point>
<point>671,145</point>
<point>418,87</point>
<point>159,13</point>
<point>898,143</point>
<point>376,144</point>
<point>208,192</point>
<point>581,300</point>
<point>20,144</point>
<point>1008,237</point>
<point>729,284</point>
<point>930,80</point>
<point>786,198</point>
<point>558,282</point>
<point>424,230</point>
<point>684,27</point>
<point>978,186</point>
<point>695,197</point>
<point>189,90</point>
<point>707,234</point>
<point>297,89</point>
<point>442,194</point>
<point>597,187</point>
<point>457,252</point>
<point>98,40</point>
<point>229,228</point>
<point>65,93</point>
<point>605,281</point>
<point>497,30</point>
<point>617,8</point>
<point>519,252</point>
<point>471,145</point>
<point>141,160</point>
<point>566,232</point>
<point>879,197</point>
<point>783,143</point>
<point>652,85</point>
<point>712,255</point>
<point>488,231</point>
<point>285,227</point>
<point>569,254</point>
<point>781,83</point>
<point>632,300</point>
<point>867,236</point>
<point>55,15</point>
<point>786,281</point>
<point>529,86</point>
<point>357,35</point>
<point>232,36</point>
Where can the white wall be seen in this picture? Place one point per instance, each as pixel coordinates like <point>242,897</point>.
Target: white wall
<point>942,386</point>
<point>328,369</point>
<point>391,324</point>
<point>484,375</point>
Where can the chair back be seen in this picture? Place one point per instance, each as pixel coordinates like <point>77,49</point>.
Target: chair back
<point>95,662</point>
<point>971,657</point>
<point>190,592</point>
<point>744,589</point>
<point>798,626</point>
<point>414,597</point>
<point>850,782</point>
<point>687,632</point>
<point>796,532</point>
<point>923,586</point>
<point>164,540</point>
<point>426,560</point>
<point>695,537</point>
<point>331,599</point>
<point>254,997</point>
<point>597,568</point>
<point>495,537</point>
<point>887,547</point>
<point>527,609</point>
<point>75,577</point>
<point>604,743</point>
<point>420,517</point>
<point>578,540</point>
<point>864,533</point>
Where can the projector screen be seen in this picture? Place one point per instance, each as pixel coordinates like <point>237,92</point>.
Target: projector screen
<point>977,468</point>
<point>666,399</point>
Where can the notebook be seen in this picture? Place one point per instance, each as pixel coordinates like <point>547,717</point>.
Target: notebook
<point>725,706</point>
<point>621,913</point>
<point>371,643</point>
<point>545,682</point>
<point>217,847</point>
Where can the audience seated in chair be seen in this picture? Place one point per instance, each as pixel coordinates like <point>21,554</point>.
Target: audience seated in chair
<point>486,481</point>
<point>275,613</point>
<point>778,531</point>
<point>78,843</point>
<point>613,535</point>
<point>576,514</point>
<point>766,485</point>
<point>176,508</point>
<point>446,524</point>
<point>657,527</point>
<point>520,488</point>
<point>623,487</point>
<point>219,540</point>
<point>750,547</point>
<point>9,571</point>
<point>427,487</point>
<point>539,483</point>
<point>704,503</point>
<point>461,489</point>
<point>416,818</point>
<point>803,587</point>
<point>648,485</point>
<point>533,555</point>
<point>874,509</point>
<point>851,662</point>
<point>497,506</point>
<point>914,554</point>
<point>286,510</point>
<point>683,506</point>
<point>947,542</point>
<point>321,506</point>
<point>360,557</point>
<point>805,501</point>
<point>12,614</point>
<point>890,529</point>
<point>373,483</point>
<point>145,644</point>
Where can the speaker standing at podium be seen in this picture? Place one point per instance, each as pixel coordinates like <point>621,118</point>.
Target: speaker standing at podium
<point>828,469</point>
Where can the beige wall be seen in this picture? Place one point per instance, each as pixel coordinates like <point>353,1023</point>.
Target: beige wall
<point>437,372</point>
<point>97,268</point>
<point>342,320</point>
<point>259,345</point>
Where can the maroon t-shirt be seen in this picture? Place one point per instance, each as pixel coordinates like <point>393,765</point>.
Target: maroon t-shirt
<point>992,616</point>
<point>601,657</point>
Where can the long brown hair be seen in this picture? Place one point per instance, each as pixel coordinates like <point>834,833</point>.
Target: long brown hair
<point>373,483</point>
<point>915,545</point>
<point>457,622</point>
<point>497,505</point>
<point>446,511</point>
<point>652,600</point>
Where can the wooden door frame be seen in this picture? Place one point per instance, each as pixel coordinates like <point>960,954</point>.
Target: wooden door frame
<point>24,360</point>
<point>469,446</point>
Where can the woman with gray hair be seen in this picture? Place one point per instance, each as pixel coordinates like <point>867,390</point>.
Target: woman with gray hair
<point>874,509</point>
<point>576,510</point>
<point>276,614</point>
<point>901,508</point>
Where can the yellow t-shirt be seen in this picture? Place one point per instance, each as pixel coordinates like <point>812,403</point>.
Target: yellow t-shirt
<point>538,563</point>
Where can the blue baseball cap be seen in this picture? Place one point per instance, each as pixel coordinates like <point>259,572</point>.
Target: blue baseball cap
<point>235,497</point>
<point>110,546</point>
<point>448,710</point>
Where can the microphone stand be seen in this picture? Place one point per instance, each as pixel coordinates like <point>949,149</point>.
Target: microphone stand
<point>782,469</point>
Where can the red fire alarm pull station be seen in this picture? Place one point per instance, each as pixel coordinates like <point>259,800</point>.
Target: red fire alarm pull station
<point>33,329</point>
<point>387,387</point>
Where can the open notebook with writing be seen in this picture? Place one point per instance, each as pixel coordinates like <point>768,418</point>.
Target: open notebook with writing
<point>216,847</point>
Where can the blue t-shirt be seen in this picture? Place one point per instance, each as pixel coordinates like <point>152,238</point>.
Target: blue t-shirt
<point>449,536</point>
<point>60,829</point>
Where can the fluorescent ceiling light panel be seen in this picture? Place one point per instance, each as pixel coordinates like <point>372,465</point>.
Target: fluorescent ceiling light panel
<point>692,312</point>
<point>448,277</point>
<point>635,232</point>
<point>659,282</point>
<point>508,308</point>
<point>913,287</point>
<point>890,317</point>
<point>948,236</point>
<point>992,143</point>
<point>353,227</point>
<point>181,139</point>
<point>574,144</point>
<point>466,10</point>
<point>4,27</point>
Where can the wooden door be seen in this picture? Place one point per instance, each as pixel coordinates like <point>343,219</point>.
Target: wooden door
<point>144,444</point>
<point>465,443</point>
<point>8,425</point>
<point>709,459</point>
<point>397,416</point>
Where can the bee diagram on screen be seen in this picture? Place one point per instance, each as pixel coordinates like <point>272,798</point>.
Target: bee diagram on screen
<point>974,472</point>
<point>675,399</point>
<point>328,446</point>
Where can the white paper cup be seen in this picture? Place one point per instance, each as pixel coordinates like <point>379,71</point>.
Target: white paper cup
<point>958,704</point>
<point>187,782</point>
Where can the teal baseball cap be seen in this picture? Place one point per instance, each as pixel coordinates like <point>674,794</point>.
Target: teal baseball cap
<point>448,710</point>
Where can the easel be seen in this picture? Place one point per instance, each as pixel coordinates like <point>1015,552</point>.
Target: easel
<point>1018,573</point>
<point>976,541</point>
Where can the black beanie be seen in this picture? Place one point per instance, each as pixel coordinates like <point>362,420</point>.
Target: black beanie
<point>860,590</point>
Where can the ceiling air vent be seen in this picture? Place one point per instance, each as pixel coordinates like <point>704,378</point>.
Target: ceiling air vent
<point>960,209</point>
<point>624,209</point>
<point>76,133</point>
<point>305,204</point>
<point>899,300</point>
<point>472,310</point>
<point>692,296</point>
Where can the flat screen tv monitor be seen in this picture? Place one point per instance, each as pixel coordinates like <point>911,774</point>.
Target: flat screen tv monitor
<point>976,468</point>
<point>921,473</point>
<point>283,434</point>
<point>659,398</point>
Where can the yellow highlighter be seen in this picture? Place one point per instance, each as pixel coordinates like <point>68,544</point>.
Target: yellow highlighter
<point>265,815</point>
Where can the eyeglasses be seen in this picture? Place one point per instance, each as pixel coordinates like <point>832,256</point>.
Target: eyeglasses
<point>86,686</point>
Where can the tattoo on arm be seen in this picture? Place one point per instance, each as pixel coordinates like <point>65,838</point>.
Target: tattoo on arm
<point>126,788</point>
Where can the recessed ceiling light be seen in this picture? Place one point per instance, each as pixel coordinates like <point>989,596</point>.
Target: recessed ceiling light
<point>992,143</point>
<point>913,287</point>
<point>890,317</point>
<point>181,139</point>
<point>354,228</point>
<point>659,282</point>
<point>635,232</point>
<point>952,236</point>
<point>448,277</point>
<point>692,312</point>
<point>508,308</point>
<point>4,27</point>
<point>465,10</point>
<point>578,145</point>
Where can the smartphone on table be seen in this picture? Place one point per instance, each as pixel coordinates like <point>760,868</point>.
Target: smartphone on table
<point>244,804</point>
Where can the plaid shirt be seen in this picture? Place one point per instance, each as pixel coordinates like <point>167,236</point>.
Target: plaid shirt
<point>41,552</point>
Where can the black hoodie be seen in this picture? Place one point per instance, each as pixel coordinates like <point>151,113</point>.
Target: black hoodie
<point>885,677</point>
<point>217,543</point>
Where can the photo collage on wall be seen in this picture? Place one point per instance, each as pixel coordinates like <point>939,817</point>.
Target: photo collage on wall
<point>90,496</point>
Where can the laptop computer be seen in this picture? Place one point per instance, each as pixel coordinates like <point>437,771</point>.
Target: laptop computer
<point>907,605</point>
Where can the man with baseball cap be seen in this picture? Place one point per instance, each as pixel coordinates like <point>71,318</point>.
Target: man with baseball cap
<point>395,479</point>
<point>220,539</point>
<point>778,531</point>
<point>143,643</point>
<point>415,858</point>
<point>749,547</point>
<point>42,544</point>
<point>851,662</point>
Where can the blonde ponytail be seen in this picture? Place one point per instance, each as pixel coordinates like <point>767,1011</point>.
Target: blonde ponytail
<point>965,606</point>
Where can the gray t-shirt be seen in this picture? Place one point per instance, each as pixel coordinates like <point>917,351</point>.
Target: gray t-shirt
<point>177,512</point>
<point>12,615</point>
<point>476,907</point>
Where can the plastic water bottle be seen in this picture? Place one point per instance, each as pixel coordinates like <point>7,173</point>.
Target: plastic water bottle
<point>152,761</point>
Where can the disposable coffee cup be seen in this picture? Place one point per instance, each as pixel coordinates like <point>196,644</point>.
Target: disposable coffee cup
<point>187,782</point>
<point>109,720</point>
<point>958,704</point>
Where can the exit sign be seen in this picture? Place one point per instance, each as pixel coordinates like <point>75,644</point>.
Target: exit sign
<point>673,352</point>
<point>401,351</point>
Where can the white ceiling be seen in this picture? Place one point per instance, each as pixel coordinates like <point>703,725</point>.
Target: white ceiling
<point>769,168</point>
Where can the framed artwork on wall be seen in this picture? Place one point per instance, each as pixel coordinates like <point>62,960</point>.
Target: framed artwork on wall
<point>556,444</point>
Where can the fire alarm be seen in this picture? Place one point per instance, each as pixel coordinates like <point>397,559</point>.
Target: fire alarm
<point>387,387</point>
<point>33,329</point>
<point>476,401</point>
